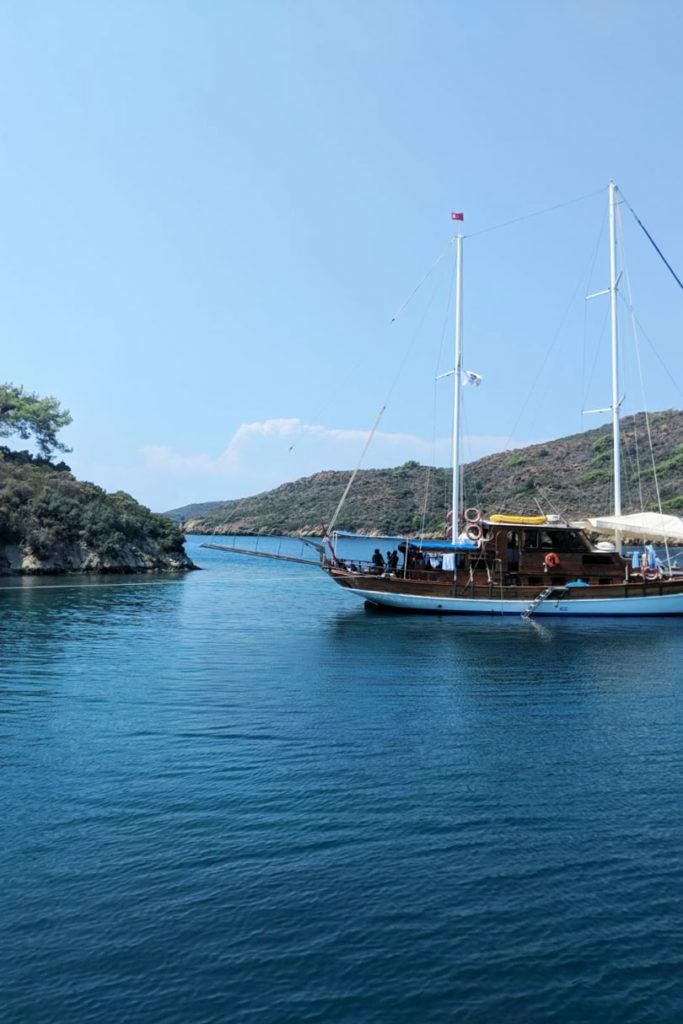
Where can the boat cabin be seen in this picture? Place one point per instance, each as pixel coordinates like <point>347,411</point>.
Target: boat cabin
<point>518,552</point>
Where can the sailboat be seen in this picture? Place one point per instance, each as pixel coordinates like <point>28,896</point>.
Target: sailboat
<point>521,565</point>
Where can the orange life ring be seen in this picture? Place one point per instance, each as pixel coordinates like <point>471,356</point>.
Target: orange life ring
<point>472,515</point>
<point>474,532</point>
<point>650,574</point>
<point>551,560</point>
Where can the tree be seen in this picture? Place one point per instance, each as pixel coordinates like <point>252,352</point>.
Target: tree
<point>28,415</point>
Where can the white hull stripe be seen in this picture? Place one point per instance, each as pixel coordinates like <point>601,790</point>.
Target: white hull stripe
<point>655,604</point>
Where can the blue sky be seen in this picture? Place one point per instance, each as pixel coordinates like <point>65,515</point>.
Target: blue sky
<point>212,211</point>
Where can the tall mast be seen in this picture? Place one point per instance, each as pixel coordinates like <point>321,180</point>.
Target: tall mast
<point>455,503</point>
<point>614,281</point>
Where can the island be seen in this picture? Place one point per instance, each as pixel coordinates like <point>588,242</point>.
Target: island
<point>50,522</point>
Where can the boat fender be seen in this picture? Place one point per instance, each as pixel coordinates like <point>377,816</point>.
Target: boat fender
<point>474,532</point>
<point>650,574</point>
<point>551,560</point>
<point>472,515</point>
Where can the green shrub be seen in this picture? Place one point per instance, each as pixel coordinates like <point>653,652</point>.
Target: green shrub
<point>41,507</point>
<point>595,476</point>
<point>672,465</point>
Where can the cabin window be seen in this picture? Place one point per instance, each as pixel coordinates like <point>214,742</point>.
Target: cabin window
<point>602,580</point>
<point>512,551</point>
<point>597,560</point>
<point>561,540</point>
<point>575,541</point>
<point>535,581</point>
<point>530,540</point>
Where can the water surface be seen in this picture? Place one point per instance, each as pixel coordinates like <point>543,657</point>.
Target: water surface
<point>237,796</point>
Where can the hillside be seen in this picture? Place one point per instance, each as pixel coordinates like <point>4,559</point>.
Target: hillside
<point>50,522</point>
<point>571,476</point>
<point>180,515</point>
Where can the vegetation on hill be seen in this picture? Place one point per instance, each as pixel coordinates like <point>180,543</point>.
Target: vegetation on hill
<point>54,522</point>
<point>50,522</point>
<point>180,515</point>
<point>571,476</point>
<point>27,415</point>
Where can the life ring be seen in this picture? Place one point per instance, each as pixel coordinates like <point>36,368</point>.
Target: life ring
<point>472,515</point>
<point>650,574</point>
<point>474,531</point>
<point>551,560</point>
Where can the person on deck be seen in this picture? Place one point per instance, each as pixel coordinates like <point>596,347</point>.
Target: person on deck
<point>377,561</point>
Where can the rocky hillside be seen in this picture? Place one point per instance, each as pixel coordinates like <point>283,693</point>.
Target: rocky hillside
<point>181,515</point>
<point>52,523</point>
<point>571,476</point>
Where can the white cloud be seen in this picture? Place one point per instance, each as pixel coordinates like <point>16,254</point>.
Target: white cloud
<point>261,455</point>
<point>279,437</point>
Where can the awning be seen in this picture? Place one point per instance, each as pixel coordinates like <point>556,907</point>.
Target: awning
<point>367,536</point>
<point>440,545</point>
<point>650,525</point>
<point>423,545</point>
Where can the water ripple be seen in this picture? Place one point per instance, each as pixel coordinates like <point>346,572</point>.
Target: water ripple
<point>234,797</point>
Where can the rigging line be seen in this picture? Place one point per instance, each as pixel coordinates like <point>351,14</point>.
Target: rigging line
<point>446,318</point>
<point>303,434</point>
<point>654,244</point>
<point>636,346</point>
<point>428,474</point>
<point>646,412</point>
<point>546,357</point>
<point>584,355</point>
<point>415,290</point>
<point>353,475</point>
<point>536,213</point>
<point>435,394</point>
<point>416,333</point>
<point>444,327</point>
<point>666,369</point>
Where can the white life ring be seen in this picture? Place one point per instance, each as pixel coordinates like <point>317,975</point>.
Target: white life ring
<point>474,531</point>
<point>472,515</point>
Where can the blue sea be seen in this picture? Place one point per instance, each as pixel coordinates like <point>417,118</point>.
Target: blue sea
<point>237,796</point>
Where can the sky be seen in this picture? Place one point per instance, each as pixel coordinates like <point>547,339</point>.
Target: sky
<point>212,211</point>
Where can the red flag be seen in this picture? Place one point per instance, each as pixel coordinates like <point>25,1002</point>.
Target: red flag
<point>457,216</point>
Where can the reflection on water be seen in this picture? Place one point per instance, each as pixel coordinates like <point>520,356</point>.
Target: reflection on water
<point>235,795</point>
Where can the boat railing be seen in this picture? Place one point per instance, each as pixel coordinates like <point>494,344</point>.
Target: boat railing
<point>360,565</point>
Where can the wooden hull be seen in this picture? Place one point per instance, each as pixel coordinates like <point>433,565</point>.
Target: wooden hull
<point>659,597</point>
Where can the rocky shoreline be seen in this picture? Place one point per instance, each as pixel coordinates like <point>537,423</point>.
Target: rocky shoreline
<point>51,523</point>
<point>18,560</point>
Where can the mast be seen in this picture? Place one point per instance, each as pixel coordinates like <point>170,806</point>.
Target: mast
<point>614,281</point>
<point>457,416</point>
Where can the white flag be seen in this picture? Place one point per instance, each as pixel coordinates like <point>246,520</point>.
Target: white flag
<point>472,378</point>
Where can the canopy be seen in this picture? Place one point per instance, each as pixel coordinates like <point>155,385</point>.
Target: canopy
<point>368,536</point>
<point>440,545</point>
<point>424,545</point>
<point>651,525</point>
